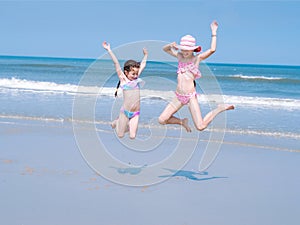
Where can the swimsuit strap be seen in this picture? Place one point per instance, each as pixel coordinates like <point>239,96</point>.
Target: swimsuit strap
<point>133,84</point>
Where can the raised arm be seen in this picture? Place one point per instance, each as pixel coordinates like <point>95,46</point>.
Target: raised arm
<point>144,61</point>
<point>213,45</point>
<point>169,49</point>
<point>113,57</point>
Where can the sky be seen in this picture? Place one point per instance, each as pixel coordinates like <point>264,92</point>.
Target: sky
<point>250,32</point>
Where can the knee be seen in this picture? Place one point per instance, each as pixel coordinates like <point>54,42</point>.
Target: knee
<point>120,135</point>
<point>161,120</point>
<point>132,136</point>
<point>201,126</point>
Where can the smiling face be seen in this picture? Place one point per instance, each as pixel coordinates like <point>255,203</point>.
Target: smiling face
<point>132,74</point>
<point>187,53</point>
<point>131,69</point>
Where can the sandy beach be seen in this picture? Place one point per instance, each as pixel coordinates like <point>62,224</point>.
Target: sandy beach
<point>45,180</point>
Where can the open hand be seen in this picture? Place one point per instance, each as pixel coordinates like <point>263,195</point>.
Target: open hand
<point>174,45</point>
<point>214,26</point>
<point>145,51</point>
<point>106,45</point>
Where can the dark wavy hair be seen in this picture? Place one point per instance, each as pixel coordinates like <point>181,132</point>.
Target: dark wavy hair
<point>128,65</point>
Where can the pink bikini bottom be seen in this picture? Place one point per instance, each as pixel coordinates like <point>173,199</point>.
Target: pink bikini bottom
<point>185,98</point>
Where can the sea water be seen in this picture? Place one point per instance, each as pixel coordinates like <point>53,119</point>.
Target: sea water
<point>266,97</point>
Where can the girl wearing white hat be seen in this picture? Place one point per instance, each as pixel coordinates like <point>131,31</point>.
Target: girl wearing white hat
<point>188,71</point>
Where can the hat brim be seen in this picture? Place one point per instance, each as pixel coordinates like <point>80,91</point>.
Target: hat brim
<point>181,47</point>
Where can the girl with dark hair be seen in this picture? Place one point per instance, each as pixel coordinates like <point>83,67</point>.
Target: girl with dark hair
<point>128,65</point>
<point>130,84</point>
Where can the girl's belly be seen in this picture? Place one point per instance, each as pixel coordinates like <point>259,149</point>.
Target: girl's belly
<point>184,85</point>
<point>131,100</point>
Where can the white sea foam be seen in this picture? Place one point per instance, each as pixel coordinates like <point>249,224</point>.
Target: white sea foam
<point>105,126</point>
<point>241,76</point>
<point>281,103</point>
<point>15,83</point>
<point>45,87</point>
<point>146,94</point>
<point>241,101</point>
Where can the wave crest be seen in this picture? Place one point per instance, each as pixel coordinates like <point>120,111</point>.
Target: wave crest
<point>241,76</point>
<point>38,87</point>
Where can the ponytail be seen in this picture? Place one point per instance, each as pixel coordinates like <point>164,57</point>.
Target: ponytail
<point>116,92</point>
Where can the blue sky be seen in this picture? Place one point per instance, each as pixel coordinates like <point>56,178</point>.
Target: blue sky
<point>254,32</point>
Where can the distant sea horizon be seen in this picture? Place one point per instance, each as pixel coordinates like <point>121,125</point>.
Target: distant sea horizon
<point>92,59</point>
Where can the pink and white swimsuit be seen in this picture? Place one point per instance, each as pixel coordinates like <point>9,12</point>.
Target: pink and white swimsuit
<point>182,69</point>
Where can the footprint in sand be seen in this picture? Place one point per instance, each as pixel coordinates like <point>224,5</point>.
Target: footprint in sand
<point>7,161</point>
<point>28,171</point>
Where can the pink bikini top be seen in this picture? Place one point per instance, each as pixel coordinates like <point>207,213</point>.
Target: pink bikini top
<point>189,67</point>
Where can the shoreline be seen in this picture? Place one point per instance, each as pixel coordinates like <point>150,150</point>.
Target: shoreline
<point>235,137</point>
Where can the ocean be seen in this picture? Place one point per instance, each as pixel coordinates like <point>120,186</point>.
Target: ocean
<point>266,97</point>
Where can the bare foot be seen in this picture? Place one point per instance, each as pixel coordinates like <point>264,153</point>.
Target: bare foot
<point>230,107</point>
<point>114,124</point>
<point>226,107</point>
<point>185,124</point>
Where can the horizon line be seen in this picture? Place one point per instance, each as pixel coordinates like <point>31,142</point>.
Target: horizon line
<point>87,58</point>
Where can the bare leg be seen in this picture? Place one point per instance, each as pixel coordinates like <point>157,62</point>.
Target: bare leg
<point>167,115</point>
<point>121,125</point>
<point>114,123</point>
<point>183,122</point>
<point>212,114</point>
<point>133,126</point>
<point>200,123</point>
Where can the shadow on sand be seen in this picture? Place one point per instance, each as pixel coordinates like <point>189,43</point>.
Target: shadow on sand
<point>191,175</point>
